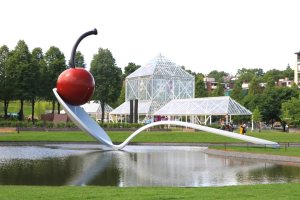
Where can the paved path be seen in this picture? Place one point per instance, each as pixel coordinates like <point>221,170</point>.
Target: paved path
<point>276,158</point>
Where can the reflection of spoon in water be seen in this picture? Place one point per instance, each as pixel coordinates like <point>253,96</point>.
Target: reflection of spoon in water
<point>93,164</point>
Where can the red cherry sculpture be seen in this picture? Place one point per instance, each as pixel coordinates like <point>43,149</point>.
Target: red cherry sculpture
<point>76,85</point>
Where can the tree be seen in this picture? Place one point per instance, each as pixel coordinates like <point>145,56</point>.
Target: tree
<point>130,68</point>
<point>254,87</point>
<point>289,73</point>
<point>79,60</point>
<point>237,91</point>
<point>254,97</point>
<point>272,99</point>
<point>19,69</point>
<point>218,75</point>
<point>248,74</point>
<point>107,75</point>
<point>121,98</point>
<point>200,90</point>
<point>188,71</point>
<point>257,117</point>
<point>219,91</point>
<point>273,75</point>
<point>291,111</point>
<point>36,67</point>
<point>55,64</point>
<point>4,84</point>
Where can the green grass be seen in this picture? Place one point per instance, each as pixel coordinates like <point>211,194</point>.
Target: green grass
<point>14,107</point>
<point>283,150</point>
<point>169,136</point>
<point>273,191</point>
<point>45,136</point>
<point>115,136</point>
<point>277,136</point>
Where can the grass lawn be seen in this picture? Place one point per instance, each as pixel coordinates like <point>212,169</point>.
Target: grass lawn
<point>277,136</point>
<point>273,191</point>
<point>289,151</point>
<point>14,107</point>
<point>169,136</point>
<point>46,136</point>
<point>116,136</point>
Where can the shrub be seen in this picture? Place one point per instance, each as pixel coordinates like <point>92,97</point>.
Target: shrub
<point>61,125</point>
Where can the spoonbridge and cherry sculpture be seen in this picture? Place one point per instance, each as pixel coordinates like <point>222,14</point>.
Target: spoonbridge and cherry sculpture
<point>75,86</point>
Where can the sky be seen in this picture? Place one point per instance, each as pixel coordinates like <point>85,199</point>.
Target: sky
<point>202,35</point>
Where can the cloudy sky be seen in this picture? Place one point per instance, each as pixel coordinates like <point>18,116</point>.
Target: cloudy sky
<point>202,35</point>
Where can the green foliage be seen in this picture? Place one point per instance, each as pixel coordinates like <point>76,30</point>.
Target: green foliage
<point>272,99</point>
<point>121,98</point>
<point>5,93</point>
<point>200,90</point>
<point>120,125</point>
<point>61,125</point>
<point>218,75</point>
<point>79,60</point>
<point>248,74</point>
<point>291,111</point>
<point>273,75</point>
<point>237,91</point>
<point>257,117</point>
<point>20,71</point>
<point>107,78</point>
<point>219,91</point>
<point>19,63</point>
<point>130,68</point>
<point>55,64</point>
<point>254,87</point>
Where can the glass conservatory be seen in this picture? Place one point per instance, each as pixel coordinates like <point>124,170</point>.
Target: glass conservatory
<point>154,85</point>
<point>201,110</point>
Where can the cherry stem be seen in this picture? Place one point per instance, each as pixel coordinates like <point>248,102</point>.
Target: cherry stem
<point>72,60</point>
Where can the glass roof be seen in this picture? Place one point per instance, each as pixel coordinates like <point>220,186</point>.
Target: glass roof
<point>124,108</point>
<point>155,84</point>
<point>160,66</point>
<point>93,107</point>
<point>223,105</point>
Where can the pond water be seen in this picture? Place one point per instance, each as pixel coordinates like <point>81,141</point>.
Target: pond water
<point>70,164</point>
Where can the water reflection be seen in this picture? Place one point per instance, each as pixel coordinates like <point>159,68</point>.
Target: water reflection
<point>135,166</point>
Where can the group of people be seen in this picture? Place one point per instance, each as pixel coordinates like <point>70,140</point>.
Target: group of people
<point>230,127</point>
<point>227,127</point>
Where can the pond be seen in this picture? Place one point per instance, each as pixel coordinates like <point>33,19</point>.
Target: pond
<point>178,166</point>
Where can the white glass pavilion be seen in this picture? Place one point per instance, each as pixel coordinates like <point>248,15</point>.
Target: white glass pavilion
<point>154,85</point>
<point>200,110</point>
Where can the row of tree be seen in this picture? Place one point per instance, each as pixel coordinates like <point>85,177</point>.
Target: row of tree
<point>267,100</point>
<point>28,76</point>
<point>31,76</point>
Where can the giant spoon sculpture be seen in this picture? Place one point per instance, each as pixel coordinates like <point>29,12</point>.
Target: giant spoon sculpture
<point>75,86</point>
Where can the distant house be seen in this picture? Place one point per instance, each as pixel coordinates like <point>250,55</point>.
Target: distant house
<point>285,82</point>
<point>93,108</point>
